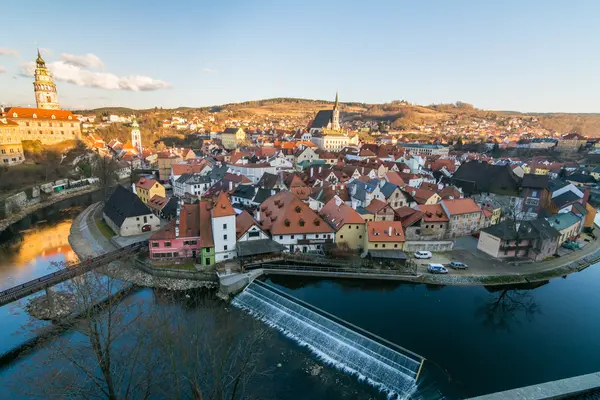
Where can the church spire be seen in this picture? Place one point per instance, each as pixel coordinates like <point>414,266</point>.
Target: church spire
<point>335,105</point>
<point>44,87</point>
<point>40,61</point>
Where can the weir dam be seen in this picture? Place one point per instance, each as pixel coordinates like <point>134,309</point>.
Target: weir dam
<point>390,367</point>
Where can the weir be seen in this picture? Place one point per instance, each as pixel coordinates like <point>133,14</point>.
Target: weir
<point>347,347</point>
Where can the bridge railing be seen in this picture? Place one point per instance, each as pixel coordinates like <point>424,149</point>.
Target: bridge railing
<point>314,268</point>
<point>64,274</point>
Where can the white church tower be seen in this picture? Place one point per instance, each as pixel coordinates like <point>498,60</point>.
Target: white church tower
<point>136,137</point>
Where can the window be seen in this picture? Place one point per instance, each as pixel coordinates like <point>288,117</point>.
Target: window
<point>137,219</point>
<point>317,235</point>
<point>225,247</point>
<point>224,237</point>
<point>253,234</point>
<point>360,236</point>
<point>207,261</point>
<point>341,236</point>
<point>224,226</point>
<point>154,244</point>
<point>383,245</point>
<point>145,219</point>
<point>376,245</point>
<point>291,236</point>
<point>280,237</point>
<point>167,244</point>
<point>396,245</point>
<point>208,250</point>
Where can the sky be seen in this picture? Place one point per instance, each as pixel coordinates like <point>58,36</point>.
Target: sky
<point>529,56</point>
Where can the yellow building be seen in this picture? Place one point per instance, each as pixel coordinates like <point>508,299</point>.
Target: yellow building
<point>384,235</point>
<point>11,150</point>
<point>232,137</point>
<point>348,224</point>
<point>47,123</point>
<point>148,188</point>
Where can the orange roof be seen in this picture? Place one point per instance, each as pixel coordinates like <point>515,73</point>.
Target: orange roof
<point>395,178</point>
<point>285,214</point>
<point>433,212</point>
<point>157,202</point>
<point>168,232</point>
<point>189,221</point>
<point>40,113</point>
<point>222,207</point>
<point>206,234</point>
<point>8,122</point>
<point>243,222</point>
<point>420,195</point>
<point>180,169</point>
<point>146,183</point>
<point>385,231</point>
<point>305,143</point>
<point>376,206</point>
<point>460,206</point>
<point>337,214</point>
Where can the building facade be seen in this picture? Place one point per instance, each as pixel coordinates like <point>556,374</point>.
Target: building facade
<point>11,149</point>
<point>44,87</point>
<point>232,137</point>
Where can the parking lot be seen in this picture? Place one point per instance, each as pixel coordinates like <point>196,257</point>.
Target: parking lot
<point>480,263</point>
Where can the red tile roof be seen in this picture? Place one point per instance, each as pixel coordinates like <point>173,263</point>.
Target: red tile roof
<point>157,202</point>
<point>337,214</point>
<point>180,169</point>
<point>433,213</point>
<point>395,178</point>
<point>40,113</point>
<point>146,183</point>
<point>189,221</point>
<point>385,231</point>
<point>460,206</point>
<point>166,233</point>
<point>243,222</point>
<point>8,122</point>
<point>420,195</point>
<point>376,206</point>
<point>285,214</point>
<point>222,207</point>
<point>206,234</point>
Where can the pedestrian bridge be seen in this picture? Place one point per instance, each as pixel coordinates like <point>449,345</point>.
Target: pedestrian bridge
<point>28,288</point>
<point>337,342</point>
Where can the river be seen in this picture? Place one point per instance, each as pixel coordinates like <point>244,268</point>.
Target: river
<point>476,340</point>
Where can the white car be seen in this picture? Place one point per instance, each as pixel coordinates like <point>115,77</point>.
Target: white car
<point>436,269</point>
<point>423,254</point>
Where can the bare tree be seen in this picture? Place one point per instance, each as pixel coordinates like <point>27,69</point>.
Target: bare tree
<point>105,169</point>
<point>212,355</point>
<point>105,354</point>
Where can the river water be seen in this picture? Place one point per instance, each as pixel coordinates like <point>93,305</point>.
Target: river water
<point>476,340</point>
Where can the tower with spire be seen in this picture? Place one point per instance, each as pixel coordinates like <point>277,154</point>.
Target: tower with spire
<point>136,137</point>
<point>335,114</point>
<point>44,87</point>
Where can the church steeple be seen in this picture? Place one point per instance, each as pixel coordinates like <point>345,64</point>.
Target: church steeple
<point>44,87</point>
<point>335,114</point>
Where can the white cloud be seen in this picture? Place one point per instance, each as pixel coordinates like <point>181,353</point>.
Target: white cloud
<point>86,61</point>
<point>209,70</point>
<point>67,72</point>
<point>2,69</point>
<point>46,52</point>
<point>8,52</point>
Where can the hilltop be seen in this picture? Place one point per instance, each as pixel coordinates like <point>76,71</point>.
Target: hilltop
<point>399,115</point>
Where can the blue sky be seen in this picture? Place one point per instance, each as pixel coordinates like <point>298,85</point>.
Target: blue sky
<point>539,56</point>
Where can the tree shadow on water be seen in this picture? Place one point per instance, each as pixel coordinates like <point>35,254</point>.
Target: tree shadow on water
<point>507,308</point>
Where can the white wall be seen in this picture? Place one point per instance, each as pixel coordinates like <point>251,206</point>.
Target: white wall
<point>246,236</point>
<point>224,247</point>
<point>489,244</point>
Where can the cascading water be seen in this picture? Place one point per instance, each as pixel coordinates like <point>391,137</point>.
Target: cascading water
<point>335,343</point>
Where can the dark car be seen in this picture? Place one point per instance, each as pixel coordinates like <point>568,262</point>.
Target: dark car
<point>458,265</point>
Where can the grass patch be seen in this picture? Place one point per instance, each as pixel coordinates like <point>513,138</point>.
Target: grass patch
<point>186,266</point>
<point>103,227</point>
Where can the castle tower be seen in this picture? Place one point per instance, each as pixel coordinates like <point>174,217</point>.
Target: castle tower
<point>44,87</point>
<point>136,137</point>
<point>335,115</point>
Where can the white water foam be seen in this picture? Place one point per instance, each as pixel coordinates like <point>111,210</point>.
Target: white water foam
<point>366,362</point>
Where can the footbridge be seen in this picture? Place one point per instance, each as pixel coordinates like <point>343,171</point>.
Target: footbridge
<point>20,291</point>
<point>336,341</point>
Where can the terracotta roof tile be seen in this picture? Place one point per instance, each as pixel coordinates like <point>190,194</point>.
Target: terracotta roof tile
<point>146,183</point>
<point>337,214</point>
<point>40,113</point>
<point>433,212</point>
<point>222,207</point>
<point>460,206</point>
<point>285,214</point>
<point>385,231</point>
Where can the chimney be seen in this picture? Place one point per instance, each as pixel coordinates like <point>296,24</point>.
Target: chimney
<point>230,186</point>
<point>311,171</point>
<point>390,231</point>
<point>413,193</point>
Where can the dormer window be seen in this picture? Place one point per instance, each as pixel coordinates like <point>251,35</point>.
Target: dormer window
<point>53,117</point>
<point>15,115</point>
<point>70,117</point>
<point>34,115</point>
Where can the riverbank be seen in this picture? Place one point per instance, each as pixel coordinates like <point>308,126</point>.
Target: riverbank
<point>16,217</point>
<point>87,241</point>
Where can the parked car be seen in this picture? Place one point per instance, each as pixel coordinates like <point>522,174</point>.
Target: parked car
<point>423,254</point>
<point>458,265</point>
<point>436,269</point>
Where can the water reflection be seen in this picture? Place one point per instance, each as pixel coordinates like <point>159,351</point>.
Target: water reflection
<point>508,306</point>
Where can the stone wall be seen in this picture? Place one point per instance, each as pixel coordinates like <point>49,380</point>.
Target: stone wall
<point>428,245</point>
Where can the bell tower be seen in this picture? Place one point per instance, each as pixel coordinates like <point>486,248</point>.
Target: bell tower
<point>136,137</point>
<point>44,87</point>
